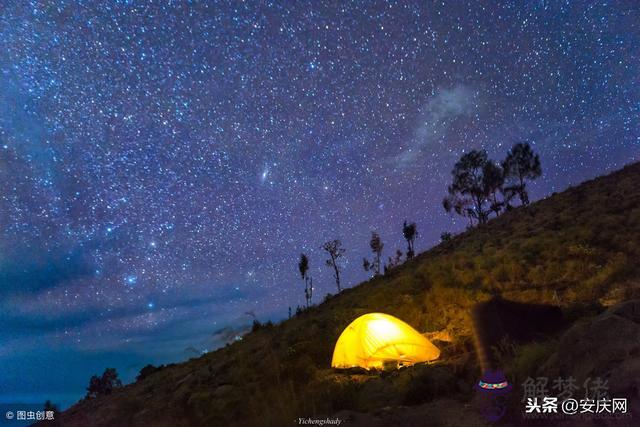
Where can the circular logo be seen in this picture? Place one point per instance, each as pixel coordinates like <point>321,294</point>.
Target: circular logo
<point>9,415</point>
<point>493,391</point>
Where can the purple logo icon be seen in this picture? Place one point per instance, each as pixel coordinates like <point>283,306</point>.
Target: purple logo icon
<point>493,391</point>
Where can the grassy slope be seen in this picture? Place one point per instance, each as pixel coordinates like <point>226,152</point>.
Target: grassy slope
<point>572,248</point>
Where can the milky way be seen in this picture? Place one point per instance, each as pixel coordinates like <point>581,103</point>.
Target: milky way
<point>163,164</point>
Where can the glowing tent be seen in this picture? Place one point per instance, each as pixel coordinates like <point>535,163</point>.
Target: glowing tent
<point>374,339</point>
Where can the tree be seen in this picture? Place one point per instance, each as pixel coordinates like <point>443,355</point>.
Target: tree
<point>410,233</point>
<point>376,247</point>
<point>445,236</point>
<point>110,380</point>
<point>303,266</point>
<point>493,180</point>
<point>146,371</point>
<point>105,384</point>
<point>520,165</point>
<point>335,251</point>
<point>48,406</point>
<point>459,205</point>
<point>95,386</point>
<point>477,181</point>
<point>393,262</point>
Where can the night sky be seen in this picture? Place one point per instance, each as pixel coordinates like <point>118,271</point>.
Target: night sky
<point>163,164</point>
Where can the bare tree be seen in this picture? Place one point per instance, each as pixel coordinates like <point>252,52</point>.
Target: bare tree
<point>336,251</point>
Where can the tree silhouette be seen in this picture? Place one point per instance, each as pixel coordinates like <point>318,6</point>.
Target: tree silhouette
<point>146,371</point>
<point>520,165</point>
<point>303,266</point>
<point>376,247</point>
<point>410,233</point>
<point>49,406</point>
<point>95,386</point>
<point>460,205</point>
<point>393,262</point>
<point>445,236</point>
<point>111,380</point>
<point>468,191</point>
<point>335,251</point>
<point>493,180</point>
<point>105,384</point>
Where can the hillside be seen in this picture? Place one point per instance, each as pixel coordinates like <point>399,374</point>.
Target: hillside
<point>577,249</point>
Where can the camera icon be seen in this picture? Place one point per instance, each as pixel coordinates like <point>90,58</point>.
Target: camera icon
<point>9,415</point>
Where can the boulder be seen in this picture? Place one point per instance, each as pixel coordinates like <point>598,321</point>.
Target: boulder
<point>606,346</point>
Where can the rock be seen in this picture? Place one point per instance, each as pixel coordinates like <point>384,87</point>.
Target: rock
<point>606,346</point>
<point>598,346</point>
<point>629,310</point>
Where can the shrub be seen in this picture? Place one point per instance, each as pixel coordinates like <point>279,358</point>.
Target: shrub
<point>428,383</point>
<point>105,384</point>
<point>528,358</point>
<point>146,371</point>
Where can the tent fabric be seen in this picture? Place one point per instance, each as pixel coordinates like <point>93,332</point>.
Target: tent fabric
<point>374,339</point>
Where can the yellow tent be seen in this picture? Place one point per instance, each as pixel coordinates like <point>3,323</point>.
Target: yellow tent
<point>376,338</point>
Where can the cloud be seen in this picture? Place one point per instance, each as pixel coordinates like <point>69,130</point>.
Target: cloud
<point>32,271</point>
<point>29,267</point>
<point>436,117</point>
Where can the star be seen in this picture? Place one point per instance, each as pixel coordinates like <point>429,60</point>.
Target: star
<point>183,155</point>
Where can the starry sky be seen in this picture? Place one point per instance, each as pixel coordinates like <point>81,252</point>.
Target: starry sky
<point>164,163</point>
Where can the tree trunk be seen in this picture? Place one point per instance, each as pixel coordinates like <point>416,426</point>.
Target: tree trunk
<point>524,197</point>
<point>337,273</point>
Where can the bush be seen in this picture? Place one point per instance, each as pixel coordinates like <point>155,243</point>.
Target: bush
<point>343,395</point>
<point>146,371</point>
<point>428,383</point>
<point>528,358</point>
<point>99,386</point>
